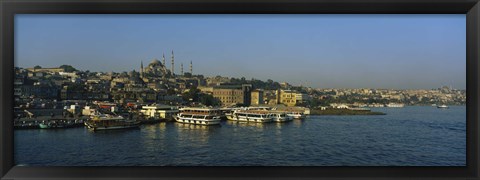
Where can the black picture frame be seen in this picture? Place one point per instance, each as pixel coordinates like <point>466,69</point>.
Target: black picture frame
<point>9,8</point>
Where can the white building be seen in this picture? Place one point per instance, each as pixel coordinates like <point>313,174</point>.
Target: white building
<point>159,111</point>
<point>339,106</point>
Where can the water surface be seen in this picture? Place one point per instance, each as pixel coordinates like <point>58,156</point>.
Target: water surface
<point>410,136</point>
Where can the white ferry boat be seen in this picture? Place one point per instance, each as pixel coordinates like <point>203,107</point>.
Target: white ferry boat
<point>280,117</point>
<point>262,108</point>
<point>397,105</point>
<point>443,106</point>
<point>260,116</point>
<point>110,122</point>
<point>201,116</point>
<point>230,112</point>
<point>296,115</point>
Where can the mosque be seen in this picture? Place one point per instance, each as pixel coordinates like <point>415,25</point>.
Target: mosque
<point>157,69</point>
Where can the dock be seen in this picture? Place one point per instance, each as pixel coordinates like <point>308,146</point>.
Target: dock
<point>34,122</point>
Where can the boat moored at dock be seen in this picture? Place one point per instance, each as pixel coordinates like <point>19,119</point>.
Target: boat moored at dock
<point>296,115</point>
<point>228,114</point>
<point>200,116</point>
<point>260,116</point>
<point>280,117</point>
<point>60,123</point>
<point>110,122</point>
<point>25,124</point>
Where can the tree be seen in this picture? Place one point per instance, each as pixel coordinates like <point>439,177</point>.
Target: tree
<point>192,94</point>
<point>414,98</point>
<point>68,68</point>
<point>187,75</point>
<point>209,100</point>
<point>171,91</point>
<point>37,67</point>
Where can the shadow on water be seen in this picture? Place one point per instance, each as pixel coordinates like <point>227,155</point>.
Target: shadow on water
<point>113,131</point>
<point>246,124</point>
<point>263,125</point>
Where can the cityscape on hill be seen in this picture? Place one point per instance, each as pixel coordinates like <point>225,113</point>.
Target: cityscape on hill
<point>155,83</point>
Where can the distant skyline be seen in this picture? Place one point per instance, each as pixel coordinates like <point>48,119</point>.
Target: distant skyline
<point>321,51</point>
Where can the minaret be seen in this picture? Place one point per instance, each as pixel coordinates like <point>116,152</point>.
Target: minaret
<point>181,69</point>
<point>141,69</point>
<point>163,60</point>
<point>173,67</point>
<point>191,68</point>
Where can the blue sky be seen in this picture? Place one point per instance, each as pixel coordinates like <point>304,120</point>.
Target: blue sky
<point>321,51</point>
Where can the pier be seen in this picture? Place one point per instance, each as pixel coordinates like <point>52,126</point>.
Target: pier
<point>34,123</point>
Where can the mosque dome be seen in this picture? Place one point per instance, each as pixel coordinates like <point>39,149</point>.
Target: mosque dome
<point>155,62</point>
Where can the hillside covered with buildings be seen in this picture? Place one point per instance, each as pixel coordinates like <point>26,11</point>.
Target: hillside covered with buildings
<point>155,83</point>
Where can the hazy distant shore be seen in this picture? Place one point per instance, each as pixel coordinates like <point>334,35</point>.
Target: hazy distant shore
<point>332,111</point>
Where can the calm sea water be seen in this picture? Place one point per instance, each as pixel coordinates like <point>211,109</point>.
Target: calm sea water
<point>410,136</point>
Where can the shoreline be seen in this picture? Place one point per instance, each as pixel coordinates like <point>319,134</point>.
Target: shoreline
<point>344,112</point>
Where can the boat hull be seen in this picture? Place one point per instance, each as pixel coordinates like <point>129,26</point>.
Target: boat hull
<point>257,120</point>
<point>43,126</point>
<point>229,116</point>
<point>282,119</point>
<point>198,121</point>
<point>298,117</point>
<point>102,128</point>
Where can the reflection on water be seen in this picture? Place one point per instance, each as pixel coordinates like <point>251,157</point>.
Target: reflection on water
<point>280,124</point>
<point>162,126</point>
<point>112,132</point>
<point>195,133</point>
<point>151,130</point>
<point>299,122</point>
<point>246,124</point>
